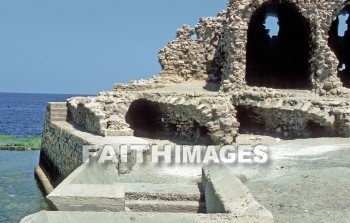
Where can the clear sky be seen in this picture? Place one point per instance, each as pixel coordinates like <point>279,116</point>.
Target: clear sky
<point>84,46</point>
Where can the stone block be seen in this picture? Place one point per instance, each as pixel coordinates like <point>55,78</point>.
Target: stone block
<point>225,193</point>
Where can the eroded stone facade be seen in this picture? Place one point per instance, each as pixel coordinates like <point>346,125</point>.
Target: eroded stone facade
<point>106,114</point>
<point>222,42</point>
<point>320,15</point>
<point>215,52</point>
<point>194,58</point>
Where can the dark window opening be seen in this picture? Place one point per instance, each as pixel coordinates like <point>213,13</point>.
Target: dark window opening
<point>278,48</point>
<point>339,42</point>
<point>144,117</point>
<point>272,24</point>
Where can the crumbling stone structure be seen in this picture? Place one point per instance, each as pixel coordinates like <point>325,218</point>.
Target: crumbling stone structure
<point>293,84</point>
<point>227,75</point>
<point>191,117</point>
<point>191,58</point>
<point>229,43</point>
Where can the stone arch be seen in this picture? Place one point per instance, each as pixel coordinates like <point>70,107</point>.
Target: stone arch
<point>158,120</point>
<point>281,61</point>
<point>340,45</point>
<point>144,117</point>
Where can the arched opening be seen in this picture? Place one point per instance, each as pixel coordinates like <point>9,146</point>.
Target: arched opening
<point>144,117</point>
<point>339,42</point>
<point>161,121</point>
<point>278,48</point>
<point>249,121</point>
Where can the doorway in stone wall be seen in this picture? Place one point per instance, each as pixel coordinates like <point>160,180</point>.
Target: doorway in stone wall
<point>339,42</point>
<point>278,47</point>
<point>144,117</point>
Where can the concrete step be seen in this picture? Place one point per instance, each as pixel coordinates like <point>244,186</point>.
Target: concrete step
<point>165,192</point>
<point>59,110</point>
<point>54,105</point>
<point>58,119</point>
<point>58,115</point>
<point>165,206</point>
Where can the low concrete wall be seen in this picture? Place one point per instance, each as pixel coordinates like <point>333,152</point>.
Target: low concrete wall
<point>91,187</point>
<point>225,193</point>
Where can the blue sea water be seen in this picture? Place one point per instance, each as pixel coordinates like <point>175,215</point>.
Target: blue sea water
<point>21,115</point>
<point>19,193</point>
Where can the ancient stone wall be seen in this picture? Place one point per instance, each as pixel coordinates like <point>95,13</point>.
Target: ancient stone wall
<point>87,117</point>
<point>103,115</point>
<point>219,53</point>
<point>220,50</point>
<point>141,85</point>
<point>214,116</point>
<point>186,113</point>
<point>289,116</point>
<point>61,151</point>
<point>186,58</point>
<point>320,15</point>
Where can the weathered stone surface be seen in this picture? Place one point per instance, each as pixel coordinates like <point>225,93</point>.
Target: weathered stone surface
<point>183,111</point>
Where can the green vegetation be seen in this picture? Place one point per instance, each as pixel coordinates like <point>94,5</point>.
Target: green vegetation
<point>23,143</point>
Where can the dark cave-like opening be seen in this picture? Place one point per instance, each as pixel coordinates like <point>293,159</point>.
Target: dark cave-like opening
<point>144,117</point>
<point>249,121</point>
<point>278,48</point>
<point>157,121</point>
<point>315,130</point>
<point>339,42</point>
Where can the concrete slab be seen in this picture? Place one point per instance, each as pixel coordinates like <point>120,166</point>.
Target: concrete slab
<point>173,192</point>
<point>82,197</point>
<point>225,193</point>
<point>165,206</point>
<point>91,187</point>
<point>93,217</point>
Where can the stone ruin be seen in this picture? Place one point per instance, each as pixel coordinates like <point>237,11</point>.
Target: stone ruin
<point>227,76</point>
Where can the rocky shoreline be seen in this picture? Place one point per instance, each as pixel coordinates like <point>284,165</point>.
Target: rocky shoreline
<point>18,148</point>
